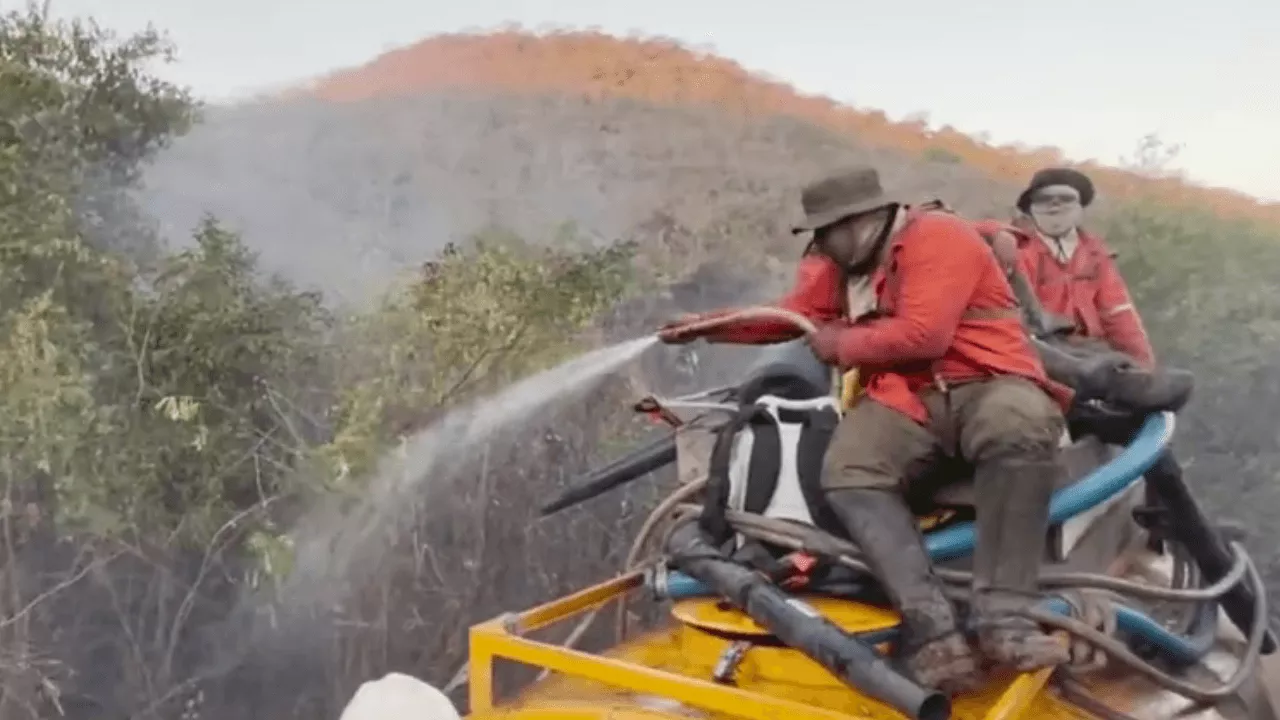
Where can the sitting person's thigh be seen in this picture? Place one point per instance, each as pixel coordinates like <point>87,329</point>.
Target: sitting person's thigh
<point>876,447</point>
<point>1006,417</point>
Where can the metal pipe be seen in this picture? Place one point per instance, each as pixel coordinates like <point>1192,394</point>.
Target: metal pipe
<point>1190,528</point>
<point>633,465</point>
<point>767,312</point>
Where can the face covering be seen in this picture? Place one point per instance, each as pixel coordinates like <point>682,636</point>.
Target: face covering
<point>1056,210</point>
<point>854,243</point>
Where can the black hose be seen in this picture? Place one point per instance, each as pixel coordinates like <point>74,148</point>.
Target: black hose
<point>787,534</point>
<point>1118,651</point>
<point>1188,526</point>
<point>631,466</point>
<point>803,629</point>
<point>818,541</point>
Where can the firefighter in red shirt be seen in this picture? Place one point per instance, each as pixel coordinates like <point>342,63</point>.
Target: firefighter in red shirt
<point>1091,334</point>
<point>1065,271</point>
<point>1072,270</point>
<point>948,371</point>
<point>1077,301</point>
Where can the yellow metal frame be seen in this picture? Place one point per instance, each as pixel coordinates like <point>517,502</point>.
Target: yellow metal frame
<point>1019,696</point>
<point>504,637</point>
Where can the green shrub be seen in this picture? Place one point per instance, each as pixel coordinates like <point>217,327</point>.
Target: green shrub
<point>1204,284</point>
<point>480,316</point>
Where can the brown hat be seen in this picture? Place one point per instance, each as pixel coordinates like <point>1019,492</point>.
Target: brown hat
<point>1057,176</point>
<point>838,197</point>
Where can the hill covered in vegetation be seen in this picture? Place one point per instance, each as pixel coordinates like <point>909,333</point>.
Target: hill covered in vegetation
<point>665,72</point>
<point>191,402</point>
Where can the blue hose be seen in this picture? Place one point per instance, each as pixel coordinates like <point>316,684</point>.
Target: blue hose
<point>1099,486</point>
<point>1177,649</point>
<point>1096,488</point>
<point>1135,624</point>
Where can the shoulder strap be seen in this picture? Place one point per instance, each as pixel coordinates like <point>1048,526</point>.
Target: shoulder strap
<point>935,205</point>
<point>819,426</point>
<point>817,418</point>
<point>716,499</point>
<point>764,465</point>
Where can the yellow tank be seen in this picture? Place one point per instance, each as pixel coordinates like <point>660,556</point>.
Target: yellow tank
<point>672,672</point>
<point>710,661</point>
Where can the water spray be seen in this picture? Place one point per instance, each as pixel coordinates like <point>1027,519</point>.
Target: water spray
<point>662,452</point>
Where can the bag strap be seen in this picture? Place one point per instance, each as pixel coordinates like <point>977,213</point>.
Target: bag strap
<point>712,519</point>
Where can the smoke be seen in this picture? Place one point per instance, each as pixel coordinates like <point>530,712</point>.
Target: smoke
<point>340,197</point>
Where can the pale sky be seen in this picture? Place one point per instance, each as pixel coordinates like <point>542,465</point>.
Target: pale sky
<point>1089,76</point>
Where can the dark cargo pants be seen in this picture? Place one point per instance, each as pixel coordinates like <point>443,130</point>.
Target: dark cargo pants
<point>875,447</point>
<point>1009,430</point>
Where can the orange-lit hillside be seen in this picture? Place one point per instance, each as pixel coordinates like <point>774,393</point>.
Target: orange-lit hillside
<point>664,72</point>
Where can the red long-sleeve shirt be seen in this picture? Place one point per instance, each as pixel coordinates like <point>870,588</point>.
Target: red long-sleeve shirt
<point>946,308</point>
<point>1087,290</point>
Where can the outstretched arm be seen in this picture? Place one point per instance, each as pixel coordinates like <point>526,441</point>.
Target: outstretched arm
<point>818,294</point>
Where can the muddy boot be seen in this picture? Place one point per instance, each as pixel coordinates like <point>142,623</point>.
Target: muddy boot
<point>933,648</point>
<point>1012,499</point>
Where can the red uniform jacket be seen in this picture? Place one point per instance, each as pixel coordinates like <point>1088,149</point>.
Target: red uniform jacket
<point>1088,291</point>
<point>946,309</point>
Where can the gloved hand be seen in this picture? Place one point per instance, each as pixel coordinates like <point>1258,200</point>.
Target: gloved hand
<point>826,342</point>
<point>683,329</point>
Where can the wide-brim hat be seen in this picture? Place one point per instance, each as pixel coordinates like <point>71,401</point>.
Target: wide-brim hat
<point>1057,176</point>
<point>841,196</point>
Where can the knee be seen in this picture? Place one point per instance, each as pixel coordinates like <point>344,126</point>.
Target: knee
<point>856,467</point>
<point>1016,420</point>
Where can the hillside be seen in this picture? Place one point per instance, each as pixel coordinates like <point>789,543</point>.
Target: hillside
<point>663,72</point>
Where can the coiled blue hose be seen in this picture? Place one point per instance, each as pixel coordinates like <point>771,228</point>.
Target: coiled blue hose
<point>1096,488</point>
<point>1177,649</point>
<point>1099,486</point>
